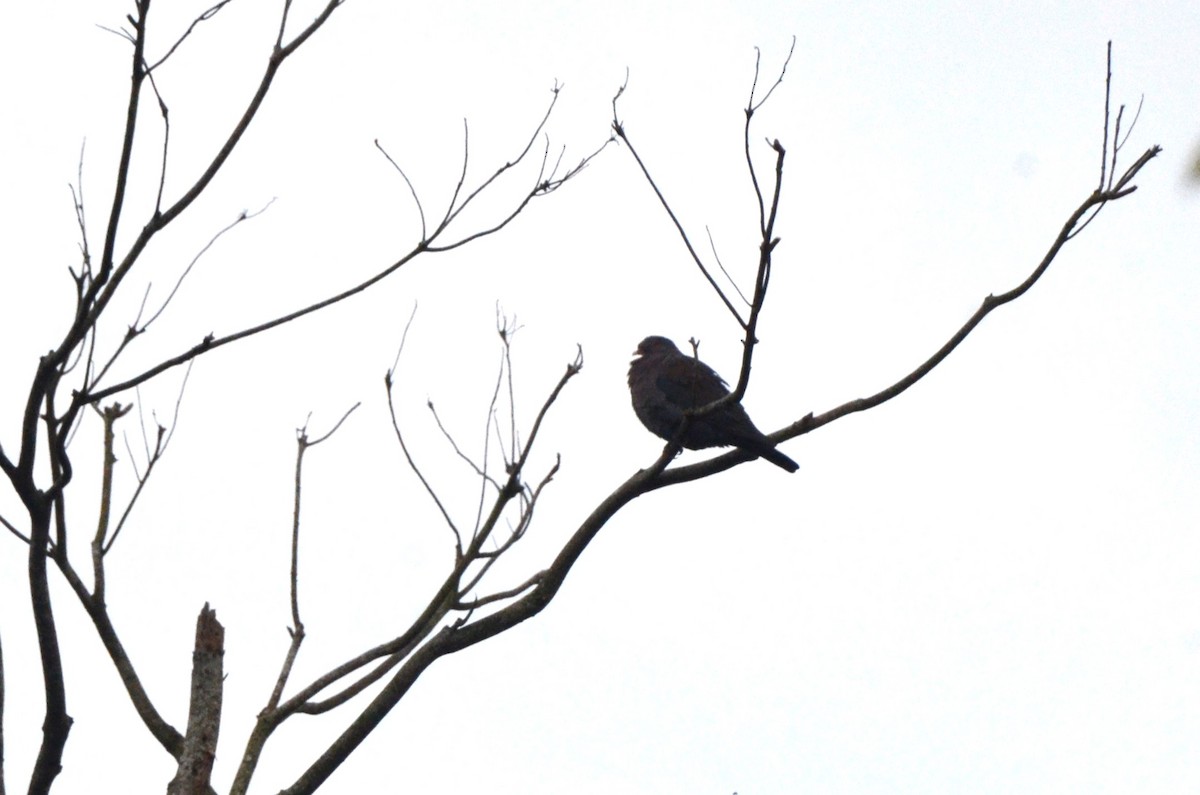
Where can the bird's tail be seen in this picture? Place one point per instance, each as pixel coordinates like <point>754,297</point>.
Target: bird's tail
<point>779,459</point>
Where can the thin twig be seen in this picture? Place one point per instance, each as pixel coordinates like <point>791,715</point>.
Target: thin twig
<point>1107,100</point>
<point>449,437</point>
<point>204,16</point>
<point>811,422</point>
<point>13,529</point>
<point>475,604</point>
<point>389,380</point>
<point>162,439</point>
<point>166,145</point>
<point>751,106</point>
<point>407,181</point>
<point>296,631</point>
<point>244,215</point>
<point>713,247</point>
<point>619,129</point>
<point>162,731</point>
<point>452,212</point>
<point>211,342</point>
<point>110,415</point>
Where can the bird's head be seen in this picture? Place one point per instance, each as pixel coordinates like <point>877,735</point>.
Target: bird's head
<point>656,346</point>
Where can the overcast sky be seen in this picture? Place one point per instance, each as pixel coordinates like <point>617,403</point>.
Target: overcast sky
<point>988,585</point>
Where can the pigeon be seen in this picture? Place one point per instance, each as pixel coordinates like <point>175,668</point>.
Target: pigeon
<point>664,383</point>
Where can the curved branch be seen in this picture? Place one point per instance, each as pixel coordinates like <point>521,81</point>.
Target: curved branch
<point>544,186</point>
<point>204,16</point>
<point>619,130</point>
<point>166,734</point>
<point>105,288</point>
<point>456,638</point>
<point>544,586</point>
<point>811,422</point>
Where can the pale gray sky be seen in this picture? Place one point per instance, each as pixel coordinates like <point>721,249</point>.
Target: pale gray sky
<point>988,585</point>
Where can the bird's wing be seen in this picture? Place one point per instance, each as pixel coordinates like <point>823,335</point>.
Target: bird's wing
<point>689,384</point>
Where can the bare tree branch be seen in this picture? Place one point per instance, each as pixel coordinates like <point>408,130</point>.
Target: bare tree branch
<point>411,189</point>
<point>412,464</point>
<point>204,16</point>
<point>619,130</point>
<point>469,605</point>
<point>810,422</point>
<point>445,640</point>
<point>109,415</point>
<point>166,735</point>
<point>204,711</point>
<point>712,246</point>
<point>537,593</point>
<point>501,595</point>
<point>212,342</point>
<point>12,528</point>
<point>751,105</point>
<point>162,438</point>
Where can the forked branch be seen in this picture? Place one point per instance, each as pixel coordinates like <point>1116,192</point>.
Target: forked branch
<point>473,559</point>
<point>768,214</point>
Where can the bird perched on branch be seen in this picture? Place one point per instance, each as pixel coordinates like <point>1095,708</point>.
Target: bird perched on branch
<point>664,383</point>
